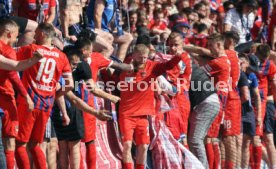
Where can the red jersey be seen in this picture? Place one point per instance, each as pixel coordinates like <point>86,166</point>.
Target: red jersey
<point>272,24</point>
<point>40,80</point>
<point>219,69</point>
<point>5,84</point>
<point>137,94</point>
<point>160,26</point>
<point>182,72</point>
<point>97,61</point>
<point>234,73</point>
<point>199,40</point>
<point>267,72</point>
<point>29,8</point>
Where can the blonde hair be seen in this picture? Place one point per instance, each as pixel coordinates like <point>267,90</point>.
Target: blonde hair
<point>141,49</point>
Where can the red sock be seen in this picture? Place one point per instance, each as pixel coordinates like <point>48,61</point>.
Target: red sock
<point>210,154</point>
<point>257,154</point>
<point>216,156</point>
<point>91,156</point>
<point>127,166</point>
<point>38,157</point>
<point>251,157</point>
<point>139,166</point>
<point>10,159</point>
<point>229,165</point>
<point>22,158</point>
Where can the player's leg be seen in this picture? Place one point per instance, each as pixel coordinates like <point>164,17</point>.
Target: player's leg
<point>127,126</point>
<point>52,153</point>
<point>200,121</point>
<point>123,41</point>
<point>103,43</point>
<point>239,150</point>
<point>142,140</point>
<point>26,121</point>
<point>74,149</point>
<point>245,150</point>
<point>63,154</point>
<point>10,128</point>
<point>37,137</point>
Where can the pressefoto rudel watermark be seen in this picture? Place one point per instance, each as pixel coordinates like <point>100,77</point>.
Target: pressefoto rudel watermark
<point>131,84</point>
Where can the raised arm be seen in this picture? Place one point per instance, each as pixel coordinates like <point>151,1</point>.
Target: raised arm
<point>197,50</point>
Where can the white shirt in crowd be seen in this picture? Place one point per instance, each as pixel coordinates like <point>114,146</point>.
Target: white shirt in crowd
<point>234,19</point>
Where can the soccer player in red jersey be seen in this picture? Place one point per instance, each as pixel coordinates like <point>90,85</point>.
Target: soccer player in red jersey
<point>40,81</point>
<point>232,116</point>
<point>217,68</point>
<point>267,77</point>
<point>96,61</point>
<point>137,101</point>
<point>8,80</point>
<point>180,77</point>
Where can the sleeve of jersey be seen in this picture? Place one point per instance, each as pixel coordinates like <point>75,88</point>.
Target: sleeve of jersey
<point>103,62</point>
<point>16,82</point>
<point>160,68</point>
<point>83,72</point>
<point>255,82</point>
<point>243,81</point>
<point>23,53</point>
<point>211,68</point>
<point>66,66</point>
<point>272,71</point>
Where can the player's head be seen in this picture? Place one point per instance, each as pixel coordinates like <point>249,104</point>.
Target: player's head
<point>85,45</point>
<point>231,39</point>
<point>263,52</point>
<point>74,56</point>
<point>244,61</point>
<point>215,43</point>
<point>44,32</point>
<point>140,54</point>
<point>175,42</point>
<point>9,31</point>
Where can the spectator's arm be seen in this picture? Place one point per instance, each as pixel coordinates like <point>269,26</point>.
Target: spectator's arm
<point>258,105</point>
<point>226,27</point>
<point>91,86</point>
<point>98,12</point>
<point>62,107</point>
<point>80,104</point>
<point>244,94</point>
<point>69,84</point>
<point>51,15</point>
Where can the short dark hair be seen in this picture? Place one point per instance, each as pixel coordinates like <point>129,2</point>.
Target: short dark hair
<point>232,35</point>
<point>86,33</point>
<point>6,24</point>
<point>201,27</point>
<point>215,37</point>
<point>243,56</point>
<point>263,50</point>
<point>83,42</point>
<point>71,51</point>
<point>47,29</point>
